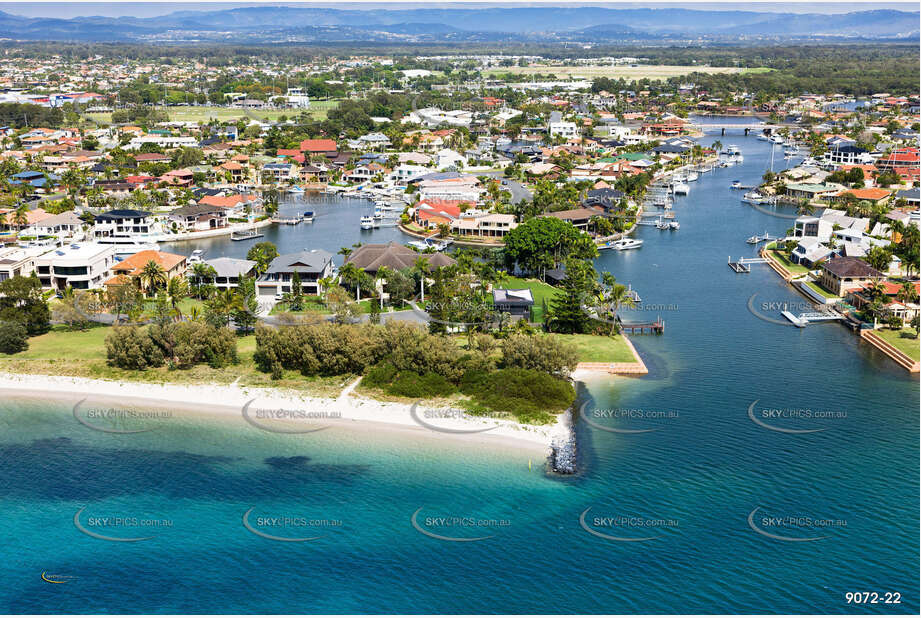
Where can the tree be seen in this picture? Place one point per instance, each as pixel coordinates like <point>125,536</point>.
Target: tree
<point>22,302</point>
<point>244,314</point>
<point>567,310</point>
<point>177,290</point>
<point>262,253</point>
<point>221,306</point>
<point>152,277</point>
<point>352,275</point>
<point>544,242</point>
<point>203,277</point>
<point>611,297</point>
<point>879,258</point>
<point>13,338</point>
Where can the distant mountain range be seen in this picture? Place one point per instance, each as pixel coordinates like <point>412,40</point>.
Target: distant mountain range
<point>281,24</point>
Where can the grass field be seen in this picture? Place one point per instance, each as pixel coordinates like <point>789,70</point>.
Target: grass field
<point>653,72</point>
<point>188,113</point>
<point>540,291</point>
<point>595,349</point>
<point>903,340</point>
<point>786,263</point>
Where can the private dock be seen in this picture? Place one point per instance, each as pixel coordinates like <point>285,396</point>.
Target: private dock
<point>640,328</point>
<point>759,238</point>
<point>245,234</point>
<point>743,265</point>
<point>803,319</point>
<point>287,220</point>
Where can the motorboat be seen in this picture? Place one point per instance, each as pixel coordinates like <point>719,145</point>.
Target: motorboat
<point>662,225</point>
<point>196,257</point>
<point>732,150</point>
<point>680,188</point>
<point>692,176</point>
<point>367,222</point>
<point>674,225</point>
<point>626,243</point>
<point>308,216</point>
<point>753,197</point>
<point>430,243</point>
<point>736,184</point>
<point>295,189</point>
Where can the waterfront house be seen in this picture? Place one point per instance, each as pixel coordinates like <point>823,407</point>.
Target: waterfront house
<point>912,197</point>
<point>122,223</point>
<point>873,195</point>
<point>311,266</point>
<point>319,147</point>
<point>372,257</point>
<point>173,265</point>
<point>198,217</point>
<point>517,303</point>
<point>811,191</point>
<point>494,225</point>
<point>843,274</point>
<point>18,261</point>
<point>812,227</point>
<point>82,266</point>
<point>278,172</point>
<point>578,217</point>
<point>860,298</point>
<point>809,251</point>
<point>229,270</point>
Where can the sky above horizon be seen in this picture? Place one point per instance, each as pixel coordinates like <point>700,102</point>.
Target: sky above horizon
<point>68,10</point>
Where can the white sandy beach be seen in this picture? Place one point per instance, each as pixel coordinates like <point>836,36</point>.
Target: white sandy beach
<point>265,404</point>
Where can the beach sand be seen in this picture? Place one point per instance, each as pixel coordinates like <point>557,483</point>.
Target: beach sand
<point>287,411</point>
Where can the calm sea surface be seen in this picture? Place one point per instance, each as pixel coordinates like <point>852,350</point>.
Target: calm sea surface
<point>670,515</point>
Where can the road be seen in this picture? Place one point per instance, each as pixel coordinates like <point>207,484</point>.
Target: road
<point>519,191</point>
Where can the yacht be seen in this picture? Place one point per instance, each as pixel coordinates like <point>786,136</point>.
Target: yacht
<point>626,243</point>
<point>368,222</point>
<point>308,216</point>
<point>295,189</point>
<point>753,197</point>
<point>196,257</point>
<point>777,139</point>
<point>662,225</point>
<point>732,150</point>
<point>126,246</point>
<point>430,243</point>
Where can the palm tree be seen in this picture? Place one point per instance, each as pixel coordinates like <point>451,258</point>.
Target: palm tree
<point>422,267</point>
<point>805,207</point>
<point>21,216</point>
<point>152,276</point>
<point>224,303</point>
<point>352,274</point>
<point>201,273</point>
<point>325,283</point>
<point>907,293</point>
<point>177,289</point>
<point>613,296</point>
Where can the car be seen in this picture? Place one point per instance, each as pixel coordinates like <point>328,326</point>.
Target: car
<point>505,182</point>
<point>279,297</point>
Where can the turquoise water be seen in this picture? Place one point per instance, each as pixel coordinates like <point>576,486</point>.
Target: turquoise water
<point>693,482</point>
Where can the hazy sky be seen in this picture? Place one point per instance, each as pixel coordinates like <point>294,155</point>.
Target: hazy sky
<point>151,9</point>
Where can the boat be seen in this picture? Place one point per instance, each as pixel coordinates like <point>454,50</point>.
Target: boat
<point>430,243</point>
<point>680,188</point>
<point>308,216</point>
<point>736,184</point>
<point>626,243</point>
<point>753,197</point>
<point>692,176</point>
<point>295,189</point>
<point>763,137</point>
<point>777,139</point>
<point>245,234</point>
<point>367,222</point>
<point>662,225</point>
<point>732,150</point>
<point>196,256</point>
<point>674,225</point>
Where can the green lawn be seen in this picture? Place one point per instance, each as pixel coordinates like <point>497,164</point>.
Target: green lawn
<point>786,263</point>
<point>189,113</point>
<point>598,349</point>
<point>749,71</point>
<point>819,290</point>
<point>540,291</point>
<point>903,340</point>
<point>313,304</point>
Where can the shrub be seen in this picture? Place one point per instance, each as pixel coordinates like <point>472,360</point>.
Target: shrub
<point>13,338</point>
<point>411,384</point>
<point>544,353</point>
<point>129,347</point>
<point>532,396</point>
<point>187,344</point>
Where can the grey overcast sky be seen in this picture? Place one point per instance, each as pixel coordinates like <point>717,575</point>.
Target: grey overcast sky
<point>152,9</point>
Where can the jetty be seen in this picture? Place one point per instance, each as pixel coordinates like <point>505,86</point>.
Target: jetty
<point>803,319</point>
<point>287,220</point>
<point>743,265</point>
<point>634,328</point>
<point>758,238</point>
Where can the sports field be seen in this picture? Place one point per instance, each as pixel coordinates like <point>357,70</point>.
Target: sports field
<point>651,71</point>
<point>189,113</point>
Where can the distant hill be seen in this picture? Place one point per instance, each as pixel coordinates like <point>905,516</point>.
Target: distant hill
<point>539,23</point>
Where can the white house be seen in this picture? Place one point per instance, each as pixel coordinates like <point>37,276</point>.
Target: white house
<point>83,266</point>
<point>449,158</point>
<point>559,127</point>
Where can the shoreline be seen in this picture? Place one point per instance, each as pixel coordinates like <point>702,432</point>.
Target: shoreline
<point>228,401</point>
